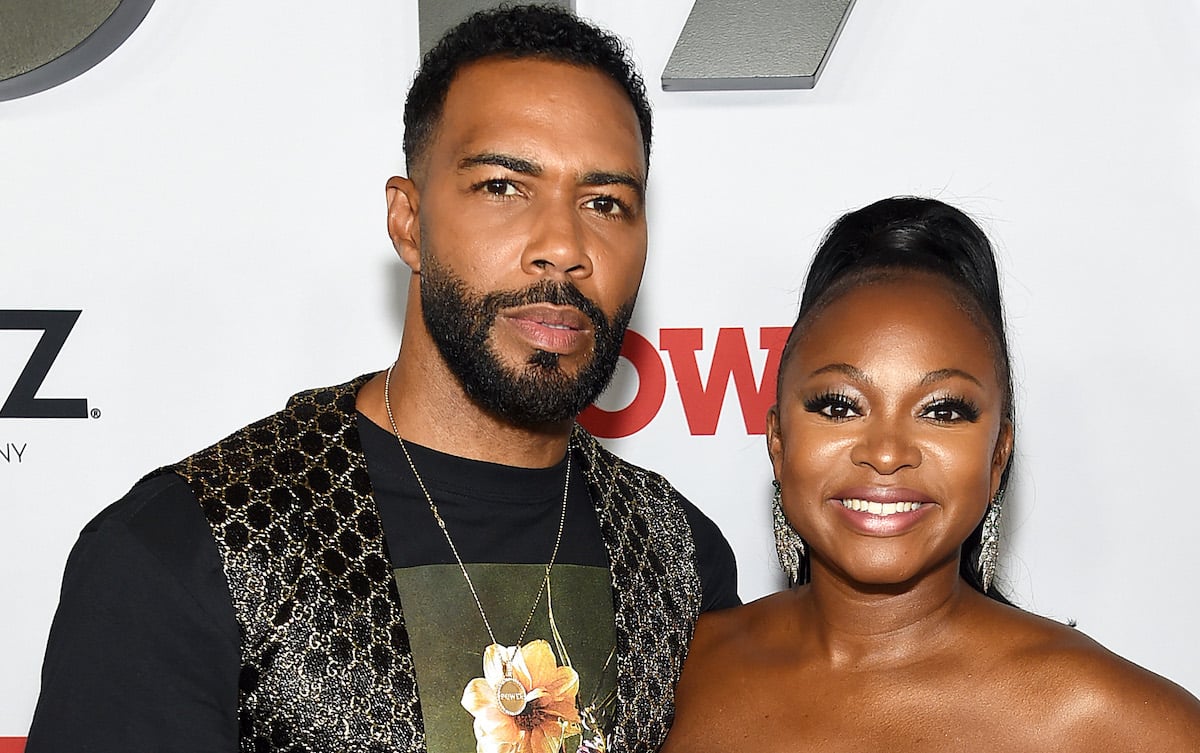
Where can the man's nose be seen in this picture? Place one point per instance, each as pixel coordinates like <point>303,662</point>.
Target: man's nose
<point>558,241</point>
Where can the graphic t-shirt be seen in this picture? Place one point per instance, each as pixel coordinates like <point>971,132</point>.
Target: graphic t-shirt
<point>504,523</point>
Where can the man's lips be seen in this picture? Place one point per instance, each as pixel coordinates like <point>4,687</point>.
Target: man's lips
<point>554,329</point>
<point>567,317</point>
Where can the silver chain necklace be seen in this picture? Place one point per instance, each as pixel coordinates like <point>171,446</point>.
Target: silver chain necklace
<point>510,693</point>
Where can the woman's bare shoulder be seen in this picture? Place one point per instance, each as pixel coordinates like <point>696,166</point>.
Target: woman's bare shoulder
<point>1089,695</point>
<point>745,641</point>
<point>747,628</point>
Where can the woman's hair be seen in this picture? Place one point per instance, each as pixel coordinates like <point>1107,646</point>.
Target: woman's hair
<point>908,234</point>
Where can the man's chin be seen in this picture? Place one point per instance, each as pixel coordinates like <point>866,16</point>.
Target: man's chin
<point>534,400</point>
<point>531,417</point>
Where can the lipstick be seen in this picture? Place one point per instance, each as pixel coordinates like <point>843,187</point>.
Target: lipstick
<point>882,510</point>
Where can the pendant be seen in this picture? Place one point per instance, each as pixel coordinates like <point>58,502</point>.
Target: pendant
<point>510,694</point>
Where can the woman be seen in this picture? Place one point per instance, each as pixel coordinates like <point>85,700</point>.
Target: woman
<point>891,444</point>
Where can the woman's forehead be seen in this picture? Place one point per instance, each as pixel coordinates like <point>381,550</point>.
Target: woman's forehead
<point>916,316</point>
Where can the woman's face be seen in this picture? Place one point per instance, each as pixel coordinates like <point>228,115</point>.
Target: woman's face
<point>889,438</point>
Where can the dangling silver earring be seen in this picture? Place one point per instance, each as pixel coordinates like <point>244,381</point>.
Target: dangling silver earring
<point>788,543</point>
<point>989,542</point>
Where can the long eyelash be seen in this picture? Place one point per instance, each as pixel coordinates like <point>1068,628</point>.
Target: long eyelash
<point>816,403</point>
<point>964,406</point>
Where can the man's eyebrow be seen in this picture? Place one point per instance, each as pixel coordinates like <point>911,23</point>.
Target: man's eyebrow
<point>507,161</point>
<point>529,167</point>
<point>601,178</point>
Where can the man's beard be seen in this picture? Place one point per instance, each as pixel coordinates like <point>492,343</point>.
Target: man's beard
<point>539,392</point>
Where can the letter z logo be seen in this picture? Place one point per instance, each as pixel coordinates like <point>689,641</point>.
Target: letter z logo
<point>23,402</point>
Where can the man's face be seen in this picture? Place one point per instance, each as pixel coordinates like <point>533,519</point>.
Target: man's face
<point>531,234</point>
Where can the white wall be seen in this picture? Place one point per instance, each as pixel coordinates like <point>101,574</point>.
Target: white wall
<point>211,196</point>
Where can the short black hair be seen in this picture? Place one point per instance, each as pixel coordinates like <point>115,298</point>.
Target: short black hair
<point>911,234</point>
<point>514,32</point>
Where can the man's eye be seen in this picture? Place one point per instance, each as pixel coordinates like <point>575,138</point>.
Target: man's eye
<point>605,205</point>
<point>500,188</point>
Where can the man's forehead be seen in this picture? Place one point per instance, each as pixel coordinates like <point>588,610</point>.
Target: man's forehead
<point>516,106</point>
<point>497,70</point>
<point>523,82</point>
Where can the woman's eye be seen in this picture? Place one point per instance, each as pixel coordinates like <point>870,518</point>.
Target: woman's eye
<point>839,410</point>
<point>500,187</point>
<point>943,413</point>
<point>951,411</point>
<point>836,407</point>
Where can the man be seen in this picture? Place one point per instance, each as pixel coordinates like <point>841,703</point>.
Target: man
<point>433,557</point>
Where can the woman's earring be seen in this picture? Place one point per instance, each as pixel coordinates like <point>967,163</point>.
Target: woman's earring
<point>989,541</point>
<point>788,543</point>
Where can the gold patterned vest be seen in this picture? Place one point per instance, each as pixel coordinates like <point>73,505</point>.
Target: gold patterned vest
<point>326,662</point>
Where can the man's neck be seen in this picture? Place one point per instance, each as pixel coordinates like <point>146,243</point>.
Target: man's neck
<point>430,408</point>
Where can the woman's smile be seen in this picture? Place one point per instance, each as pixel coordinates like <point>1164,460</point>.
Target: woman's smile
<point>887,439</point>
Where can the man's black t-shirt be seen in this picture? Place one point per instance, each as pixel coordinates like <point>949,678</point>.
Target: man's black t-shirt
<point>144,650</point>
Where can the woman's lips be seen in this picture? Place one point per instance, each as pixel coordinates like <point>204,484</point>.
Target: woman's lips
<point>882,511</point>
<point>879,508</point>
<point>554,329</point>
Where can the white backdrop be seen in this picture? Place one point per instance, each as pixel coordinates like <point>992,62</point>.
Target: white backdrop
<point>211,197</point>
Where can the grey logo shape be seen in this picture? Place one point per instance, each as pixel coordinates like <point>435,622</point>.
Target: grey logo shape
<point>755,44</point>
<point>44,43</point>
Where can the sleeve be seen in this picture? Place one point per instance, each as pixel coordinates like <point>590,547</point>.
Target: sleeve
<point>143,653</point>
<point>714,561</point>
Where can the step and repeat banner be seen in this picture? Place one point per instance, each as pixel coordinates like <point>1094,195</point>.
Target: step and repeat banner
<point>192,229</point>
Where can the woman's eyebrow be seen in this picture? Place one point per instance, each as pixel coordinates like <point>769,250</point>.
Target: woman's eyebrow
<point>853,372</point>
<point>940,374</point>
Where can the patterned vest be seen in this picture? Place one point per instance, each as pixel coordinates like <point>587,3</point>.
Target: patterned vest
<point>326,661</point>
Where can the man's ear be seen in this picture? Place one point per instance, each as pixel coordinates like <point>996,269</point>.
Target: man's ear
<point>403,220</point>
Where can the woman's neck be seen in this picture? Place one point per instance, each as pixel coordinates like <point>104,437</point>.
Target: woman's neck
<point>858,626</point>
